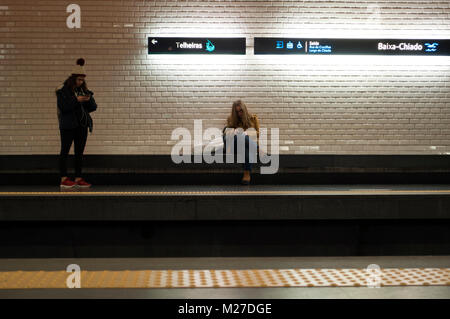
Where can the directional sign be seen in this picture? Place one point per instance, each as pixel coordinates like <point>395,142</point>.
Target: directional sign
<point>160,45</point>
<point>313,46</point>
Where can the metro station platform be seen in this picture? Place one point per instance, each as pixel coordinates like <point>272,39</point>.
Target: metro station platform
<point>415,277</point>
<point>220,221</point>
<point>218,202</point>
<point>147,206</point>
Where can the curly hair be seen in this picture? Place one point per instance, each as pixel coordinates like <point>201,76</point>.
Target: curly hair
<point>71,83</point>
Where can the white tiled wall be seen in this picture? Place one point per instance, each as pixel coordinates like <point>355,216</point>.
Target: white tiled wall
<point>321,104</point>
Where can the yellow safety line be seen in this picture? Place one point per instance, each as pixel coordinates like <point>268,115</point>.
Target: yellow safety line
<point>228,278</point>
<point>242,192</point>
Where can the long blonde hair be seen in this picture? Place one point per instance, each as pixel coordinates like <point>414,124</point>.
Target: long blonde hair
<point>235,121</point>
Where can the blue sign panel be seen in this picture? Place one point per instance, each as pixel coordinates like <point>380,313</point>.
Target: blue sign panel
<point>352,46</point>
<point>164,45</point>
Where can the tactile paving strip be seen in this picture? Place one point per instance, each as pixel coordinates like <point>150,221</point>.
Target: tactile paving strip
<point>243,192</point>
<point>230,278</point>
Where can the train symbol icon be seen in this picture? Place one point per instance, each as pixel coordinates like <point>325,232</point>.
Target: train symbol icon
<point>431,47</point>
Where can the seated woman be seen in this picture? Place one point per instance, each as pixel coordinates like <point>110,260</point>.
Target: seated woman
<point>240,120</point>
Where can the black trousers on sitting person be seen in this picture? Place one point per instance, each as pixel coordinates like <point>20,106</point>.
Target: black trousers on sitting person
<point>78,136</point>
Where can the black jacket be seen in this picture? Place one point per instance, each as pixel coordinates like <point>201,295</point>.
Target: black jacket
<point>72,113</point>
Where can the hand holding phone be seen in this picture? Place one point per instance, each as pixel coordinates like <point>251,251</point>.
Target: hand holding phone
<point>82,98</point>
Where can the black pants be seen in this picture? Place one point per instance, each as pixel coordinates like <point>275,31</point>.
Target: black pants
<point>78,136</point>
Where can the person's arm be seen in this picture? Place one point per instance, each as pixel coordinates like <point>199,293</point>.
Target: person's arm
<point>91,105</point>
<point>66,103</point>
<point>256,124</point>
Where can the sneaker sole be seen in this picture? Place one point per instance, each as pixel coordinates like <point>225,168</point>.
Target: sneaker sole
<point>65,186</point>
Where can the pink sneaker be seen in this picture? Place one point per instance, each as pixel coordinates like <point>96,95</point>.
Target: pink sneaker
<point>67,183</point>
<point>82,183</point>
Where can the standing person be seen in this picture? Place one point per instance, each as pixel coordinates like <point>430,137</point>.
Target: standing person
<point>239,120</point>
<point>75,102</point>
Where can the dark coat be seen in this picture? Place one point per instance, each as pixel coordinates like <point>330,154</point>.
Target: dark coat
<point>72,113</point>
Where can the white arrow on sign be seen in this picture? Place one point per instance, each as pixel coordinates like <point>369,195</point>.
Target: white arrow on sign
<point>154,41</point>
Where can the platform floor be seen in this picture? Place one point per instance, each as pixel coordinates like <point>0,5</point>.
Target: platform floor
<point>231,190</point>
<point>233,265</point>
